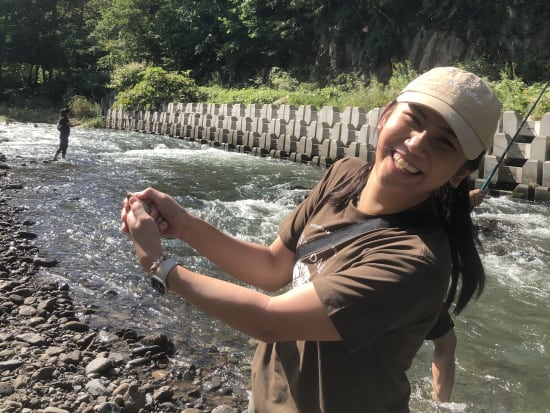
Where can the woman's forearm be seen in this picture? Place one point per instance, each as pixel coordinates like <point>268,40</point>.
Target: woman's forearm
<point>266,267</point>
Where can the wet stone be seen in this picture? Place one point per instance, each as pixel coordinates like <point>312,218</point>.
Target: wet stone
<point>6,389</point>
<point>52,361</point>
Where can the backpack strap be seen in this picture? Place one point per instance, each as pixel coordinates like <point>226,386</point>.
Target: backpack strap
<point>402,220</point>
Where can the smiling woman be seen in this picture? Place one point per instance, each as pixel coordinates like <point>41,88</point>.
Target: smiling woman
<point>342,338</point>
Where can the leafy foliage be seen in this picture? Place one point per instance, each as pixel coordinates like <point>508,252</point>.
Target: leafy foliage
<point>157,86</point>
<point>322,50</point>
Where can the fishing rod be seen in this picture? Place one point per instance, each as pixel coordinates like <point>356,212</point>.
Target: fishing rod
<point>486,182</point>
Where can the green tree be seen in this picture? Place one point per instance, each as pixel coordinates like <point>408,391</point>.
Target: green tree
<point>155,87</point>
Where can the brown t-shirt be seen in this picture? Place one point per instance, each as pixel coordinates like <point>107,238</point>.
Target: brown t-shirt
<point>383,291</point>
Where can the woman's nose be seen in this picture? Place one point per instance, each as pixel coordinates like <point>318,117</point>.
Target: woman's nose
<point>417,142</point>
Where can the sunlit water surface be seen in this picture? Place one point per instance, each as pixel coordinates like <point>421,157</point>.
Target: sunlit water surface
<point>503,361</point>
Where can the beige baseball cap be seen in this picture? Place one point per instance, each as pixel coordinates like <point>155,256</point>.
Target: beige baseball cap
<point>466,103</point>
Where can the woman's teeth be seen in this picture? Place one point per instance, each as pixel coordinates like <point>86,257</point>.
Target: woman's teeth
<point>404,165</point>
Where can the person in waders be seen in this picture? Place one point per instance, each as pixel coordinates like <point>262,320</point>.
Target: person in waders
<point>64,128</point>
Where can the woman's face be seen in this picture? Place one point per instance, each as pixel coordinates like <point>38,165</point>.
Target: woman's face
<point>417,152</point>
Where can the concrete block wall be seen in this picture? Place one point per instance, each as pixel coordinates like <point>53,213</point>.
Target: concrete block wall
<point>525,160</point>
<point>320,136</point>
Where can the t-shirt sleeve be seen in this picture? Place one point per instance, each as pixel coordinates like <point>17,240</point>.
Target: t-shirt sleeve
<point>444,323</point>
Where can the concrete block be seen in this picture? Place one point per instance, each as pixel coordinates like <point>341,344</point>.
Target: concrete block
<point>532,193</point>
<point>279,127</point>
<point>268,141</point>
<point>336,131</point>
<point>226,109</point>
<point>310,114</point>
<point>300,128</point>
<point>269,111</point>
<point>337,149</point>
<point>251,138</point>
<point>258,151</point>
<point>260,125</point>
<point>245,123</point>
<point>489,162</point>
<point>227,146</point>
<point>195,119</point>
<point>544,125</point>
<point>325,161</point>
<point>545,180</point>
<point>329,114</point>
<point>300,112</point>
<point>201,108</point>
<point>242,149</point>
<point>217,121</point>
<point>348,134</point>
<point>529,173</point>
<point>287,112</point>
<point>209,133</point>
<point>353,150</point>
<point>373,115</point>
<point>373,136</point>
<point>222,135</point>
<point>213,109</point>
<point>207,120</point>
<point>253,110</point>
<point>512,120</point>
<point>363,134</point>
<point>197,132</point>
<point>230,122</point>
<point>238,110</point>
<point>315,160</point>
<point>312,129</point>
<point>540,148</point>
<point>324,148</point>
<point>322,131</point>
<point>517,150</point>
<point>236,137</point>
<point>308,146</point>
<point>354,116</point>
<point>290,144</point>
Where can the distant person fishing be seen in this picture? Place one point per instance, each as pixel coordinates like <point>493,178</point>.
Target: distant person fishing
<point>64,127</point>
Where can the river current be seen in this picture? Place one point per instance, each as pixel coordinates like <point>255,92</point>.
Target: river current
<point>503,354</point>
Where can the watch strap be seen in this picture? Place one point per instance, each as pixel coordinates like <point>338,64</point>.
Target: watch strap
<point>159,271</point>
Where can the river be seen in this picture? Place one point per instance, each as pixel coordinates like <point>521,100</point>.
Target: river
<point>503,355</point>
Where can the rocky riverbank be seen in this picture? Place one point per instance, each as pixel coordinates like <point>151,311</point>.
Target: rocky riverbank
<point>53,361</point>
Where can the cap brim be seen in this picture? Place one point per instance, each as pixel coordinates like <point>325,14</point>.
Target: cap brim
<point>466,136</point>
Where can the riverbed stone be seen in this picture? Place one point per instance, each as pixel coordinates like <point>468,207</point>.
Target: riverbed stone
<point>52,360</point>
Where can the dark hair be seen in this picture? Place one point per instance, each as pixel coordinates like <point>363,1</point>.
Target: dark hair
<point>64,111</point>
<point>454,209</point>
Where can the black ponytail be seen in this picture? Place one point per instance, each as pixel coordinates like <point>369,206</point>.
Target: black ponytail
<point>467,269</point>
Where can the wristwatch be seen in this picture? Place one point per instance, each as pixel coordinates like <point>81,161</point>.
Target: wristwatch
<point>159,271</point>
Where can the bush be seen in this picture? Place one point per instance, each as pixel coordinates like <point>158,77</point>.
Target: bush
<point>156,87</point>
<point>82,108</point>
<point>125,77</point>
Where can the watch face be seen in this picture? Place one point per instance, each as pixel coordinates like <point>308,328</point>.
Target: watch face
<point>157,284</point>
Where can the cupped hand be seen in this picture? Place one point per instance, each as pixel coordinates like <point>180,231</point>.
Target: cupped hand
<point>144,231</point>
<point>165,210</point>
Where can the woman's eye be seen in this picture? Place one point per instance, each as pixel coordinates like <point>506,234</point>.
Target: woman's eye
<point>413,118</point>
<point>447,143</point>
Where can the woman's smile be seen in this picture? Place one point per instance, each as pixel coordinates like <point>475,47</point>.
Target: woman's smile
<point>403,165</point>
